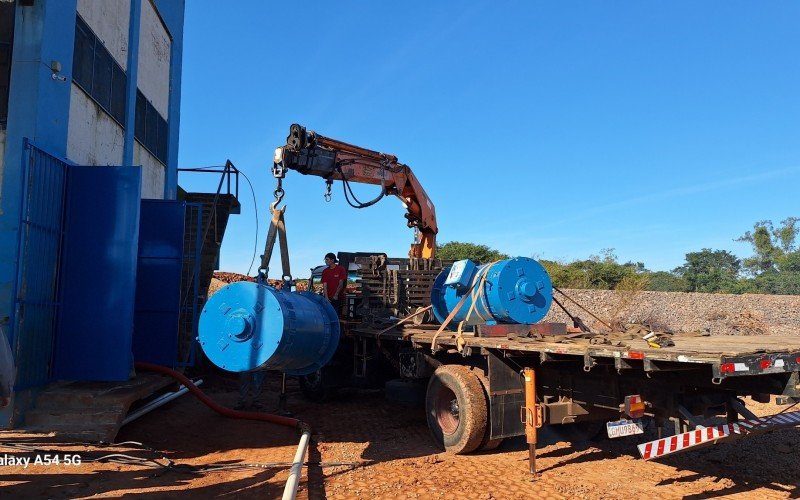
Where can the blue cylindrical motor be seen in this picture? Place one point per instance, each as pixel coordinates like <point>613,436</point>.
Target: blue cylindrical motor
<point>517,290</point>
<point>248,326</point>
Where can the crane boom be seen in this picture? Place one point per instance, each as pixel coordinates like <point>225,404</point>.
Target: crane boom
<point>313,154</point>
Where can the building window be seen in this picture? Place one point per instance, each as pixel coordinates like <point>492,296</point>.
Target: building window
<point>150,128</point>
<point>97,73</point>
<point>6,37</point>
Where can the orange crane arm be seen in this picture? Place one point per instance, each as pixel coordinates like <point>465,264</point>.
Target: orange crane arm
<point>313,154</point>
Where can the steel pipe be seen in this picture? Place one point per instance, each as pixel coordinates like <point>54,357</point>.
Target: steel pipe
<point>227,412</point>
<point>290,490</point>
<point>159,401</point>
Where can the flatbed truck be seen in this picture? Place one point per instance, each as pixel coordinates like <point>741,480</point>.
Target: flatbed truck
<point>586,383</point>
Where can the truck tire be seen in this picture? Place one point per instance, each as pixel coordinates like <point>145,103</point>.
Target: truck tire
<point>456,409</point>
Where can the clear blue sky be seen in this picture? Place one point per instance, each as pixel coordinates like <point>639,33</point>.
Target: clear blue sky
<point>550,129</point>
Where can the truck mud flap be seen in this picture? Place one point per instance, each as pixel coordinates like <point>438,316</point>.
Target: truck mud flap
<point>712,435</point>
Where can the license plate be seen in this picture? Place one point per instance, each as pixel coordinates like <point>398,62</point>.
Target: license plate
<point>622,428</point>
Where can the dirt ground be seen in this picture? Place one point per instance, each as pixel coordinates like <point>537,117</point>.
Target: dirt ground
<point>383,451</point>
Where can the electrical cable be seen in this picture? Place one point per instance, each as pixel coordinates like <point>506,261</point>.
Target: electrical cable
<point>166,464</point>
<point>255,208</point>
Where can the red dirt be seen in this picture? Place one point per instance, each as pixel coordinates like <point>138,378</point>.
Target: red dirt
<point>392,456</point>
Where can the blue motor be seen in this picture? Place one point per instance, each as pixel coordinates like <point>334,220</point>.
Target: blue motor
<point>248,326</point>
<point>517,290</point>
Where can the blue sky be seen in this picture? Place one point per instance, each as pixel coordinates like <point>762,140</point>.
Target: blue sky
<point>548,129</point>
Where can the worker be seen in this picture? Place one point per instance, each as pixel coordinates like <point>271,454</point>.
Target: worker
<point>334,278</point>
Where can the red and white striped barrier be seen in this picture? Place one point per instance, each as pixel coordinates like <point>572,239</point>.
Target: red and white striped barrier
<point>687,440</point>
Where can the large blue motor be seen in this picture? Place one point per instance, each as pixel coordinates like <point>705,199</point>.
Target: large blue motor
<point>247,326</point>
<point>517,290</point>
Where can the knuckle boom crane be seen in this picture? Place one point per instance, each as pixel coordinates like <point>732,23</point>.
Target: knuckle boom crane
<point>582,388</point>
<point>313,154</point>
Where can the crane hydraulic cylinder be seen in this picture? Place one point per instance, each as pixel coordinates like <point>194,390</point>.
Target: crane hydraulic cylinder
<point>516,290</point>
<point>251,326</point>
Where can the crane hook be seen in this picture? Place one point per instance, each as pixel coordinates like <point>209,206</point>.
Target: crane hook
<point>279,172</point>
<point>278,193</point>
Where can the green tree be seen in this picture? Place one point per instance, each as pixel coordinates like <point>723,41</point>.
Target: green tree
<point>663,281</point>
<point>782,283</point>
<point>772,246</point>
<point>791,262</point>
<point>480,254</point>
<point>710,271</point>
<point>598,271</point>
<point>564,275</point>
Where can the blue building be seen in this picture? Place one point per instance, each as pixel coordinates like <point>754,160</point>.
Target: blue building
<point>82,84</point>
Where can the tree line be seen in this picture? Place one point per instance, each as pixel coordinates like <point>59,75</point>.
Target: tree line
<point>773,267</point>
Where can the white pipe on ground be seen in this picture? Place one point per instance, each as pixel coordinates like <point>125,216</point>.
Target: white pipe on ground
<point>160,401</point>
<point>290,491</point>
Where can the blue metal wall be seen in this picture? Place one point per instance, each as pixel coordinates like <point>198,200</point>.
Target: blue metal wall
<point>98,274</point>
<point>39,251</point>
<point>38,109</point>
<point>158,282</point>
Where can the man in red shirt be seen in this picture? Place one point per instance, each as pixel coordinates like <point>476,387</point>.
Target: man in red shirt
<point>334,278</point>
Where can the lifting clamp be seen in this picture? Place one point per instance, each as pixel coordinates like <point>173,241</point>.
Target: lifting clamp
<point>277,231</point>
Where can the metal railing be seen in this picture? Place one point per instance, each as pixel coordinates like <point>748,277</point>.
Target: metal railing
<point>229,179</point>
<point>228,170</point>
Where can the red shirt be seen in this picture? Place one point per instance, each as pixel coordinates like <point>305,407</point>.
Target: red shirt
<point>331,279</point>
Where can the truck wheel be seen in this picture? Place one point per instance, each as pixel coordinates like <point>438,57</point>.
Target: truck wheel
<point>456,409</point>
<point>313,387</point>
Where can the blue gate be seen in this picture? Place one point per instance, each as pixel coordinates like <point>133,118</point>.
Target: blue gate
<point>97,286</point>
<point>158,282</point>
<point>41,227</point>
<point>190,284</point>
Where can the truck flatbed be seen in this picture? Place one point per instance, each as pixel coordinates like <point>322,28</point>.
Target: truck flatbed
<point>727,355</point>
<point>507,379</point>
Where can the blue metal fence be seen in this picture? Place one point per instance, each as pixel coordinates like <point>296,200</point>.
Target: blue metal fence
<point>40,237</point>
<point>190,279</point>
